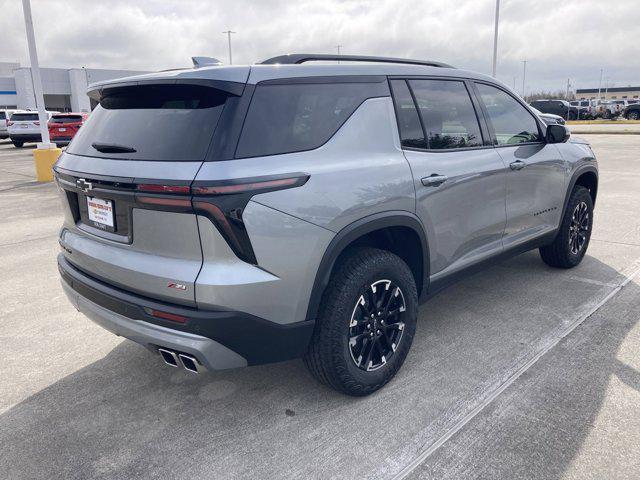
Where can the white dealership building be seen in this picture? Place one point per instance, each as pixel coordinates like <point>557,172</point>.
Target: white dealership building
<point>65,89</point>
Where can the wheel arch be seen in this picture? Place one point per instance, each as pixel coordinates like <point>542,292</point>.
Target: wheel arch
<point>586,176</point>
<point>398,228</point>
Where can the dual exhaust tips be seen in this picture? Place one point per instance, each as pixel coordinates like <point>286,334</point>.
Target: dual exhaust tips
<point>176,359</point>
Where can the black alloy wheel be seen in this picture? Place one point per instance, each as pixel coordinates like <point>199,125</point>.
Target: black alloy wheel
<point>376,325</point>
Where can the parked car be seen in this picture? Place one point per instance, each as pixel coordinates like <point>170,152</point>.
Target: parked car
<point>585,109</point>
<point>5,115</point>
<point>556,107</point>
<point>64,126</point>
<point>549,118</point>
<point>293,209</point>
<point>613,108</point>
<point>632,112</point>
<point>24,126</point>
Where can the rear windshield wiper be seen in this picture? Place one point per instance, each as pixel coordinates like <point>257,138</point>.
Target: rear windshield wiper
<point>110,148</point>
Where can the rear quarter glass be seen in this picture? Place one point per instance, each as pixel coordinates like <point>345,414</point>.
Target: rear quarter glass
<point>293,117</point>
<point>159,122</point>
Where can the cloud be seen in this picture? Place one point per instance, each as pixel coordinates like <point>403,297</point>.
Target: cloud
<point>569,39</point>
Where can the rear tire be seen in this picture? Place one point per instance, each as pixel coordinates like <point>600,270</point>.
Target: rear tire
<point>572,240</point>
<point>634,115</point>
<point>366,323</point>
<point>17,144</point>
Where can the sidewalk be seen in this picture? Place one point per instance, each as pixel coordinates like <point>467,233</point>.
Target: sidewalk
<point>606,128</point>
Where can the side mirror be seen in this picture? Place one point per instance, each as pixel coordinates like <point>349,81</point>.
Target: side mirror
<point>557,133</point>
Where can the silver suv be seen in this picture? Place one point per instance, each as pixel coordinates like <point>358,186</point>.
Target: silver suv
<point>225,216</point>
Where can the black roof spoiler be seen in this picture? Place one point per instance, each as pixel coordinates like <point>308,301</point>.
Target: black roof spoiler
<point>297,58</point>
<point>96,91</point>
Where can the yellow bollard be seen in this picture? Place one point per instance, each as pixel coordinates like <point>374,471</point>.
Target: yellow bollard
<point>44,158</point>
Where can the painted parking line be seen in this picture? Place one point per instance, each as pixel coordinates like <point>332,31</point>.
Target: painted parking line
<point>495,393</point>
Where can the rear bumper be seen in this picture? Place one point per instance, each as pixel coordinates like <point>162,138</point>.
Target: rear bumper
<point>219,339</point>
<point>60,140</point>
<point>26,137</point>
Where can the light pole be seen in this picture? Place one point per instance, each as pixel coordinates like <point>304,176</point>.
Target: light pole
<point>338,47</point>
<point>524,75</point>
<point>229,32</point>
<point>495,39</point>
<point>600,83</point>
<point>46,154</point>
<point>35,75</point>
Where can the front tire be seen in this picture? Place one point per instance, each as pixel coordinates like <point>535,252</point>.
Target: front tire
<point>572,240</point>
<point>366,323</point>
<point>17,144</point>
<point>634,115</point>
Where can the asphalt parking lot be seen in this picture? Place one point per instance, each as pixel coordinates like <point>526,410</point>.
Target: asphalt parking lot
<point>520,371</point>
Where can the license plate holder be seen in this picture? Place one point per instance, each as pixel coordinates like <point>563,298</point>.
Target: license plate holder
<point>101,214</point>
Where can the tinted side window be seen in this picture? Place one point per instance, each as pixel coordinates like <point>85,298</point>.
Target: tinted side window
<point>285,118</point>
<point>447,113</point>
<point>2,116</point>
<point>512,123</point>
<point>411,134</point>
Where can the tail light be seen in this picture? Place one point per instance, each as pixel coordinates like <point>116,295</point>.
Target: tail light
<point>36,123</point>
<point>9,123</point>
<point>222,202</point>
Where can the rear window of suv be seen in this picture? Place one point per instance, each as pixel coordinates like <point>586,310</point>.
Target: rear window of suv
<point>65,119</point>
<point>293,117</point>
<point>24,117</point>
<point>152,122</point>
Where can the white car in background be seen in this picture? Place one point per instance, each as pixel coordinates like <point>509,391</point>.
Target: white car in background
<point>548,118</point>
<point>4,117</point>
<point>24,126</point>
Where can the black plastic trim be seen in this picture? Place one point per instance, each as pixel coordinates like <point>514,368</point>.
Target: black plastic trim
<point>581,170</point>
<point>258,340</point>
<point>356,230</point>
<point>436,286</point>
<point>97,91</point>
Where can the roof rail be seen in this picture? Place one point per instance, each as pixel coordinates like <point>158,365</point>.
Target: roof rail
<point>297,58</point>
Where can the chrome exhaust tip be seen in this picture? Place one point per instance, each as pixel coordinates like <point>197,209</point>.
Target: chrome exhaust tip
<point>169,357</point>
<point>190,363</point>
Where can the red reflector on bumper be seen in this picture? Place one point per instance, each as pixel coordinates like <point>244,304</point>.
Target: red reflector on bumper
<point>169,316</point>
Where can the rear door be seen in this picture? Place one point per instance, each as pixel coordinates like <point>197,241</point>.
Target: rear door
<point>459,178</point>
<point>25,123</point>
<point>536,172</point>
<point>125,183</point>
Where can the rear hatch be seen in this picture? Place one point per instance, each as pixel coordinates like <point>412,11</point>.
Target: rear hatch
<point>64,126</point>
<point>125,184</point>
<point>24,123</point>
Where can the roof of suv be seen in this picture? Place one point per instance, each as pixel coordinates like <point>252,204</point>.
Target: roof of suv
<point>259,72</point>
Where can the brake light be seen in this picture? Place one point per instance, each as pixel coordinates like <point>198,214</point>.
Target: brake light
<point>249,185</point>
<point>36,123</point>
<point>9,123</point>
<point>153,188</point>
<point>166,202</point>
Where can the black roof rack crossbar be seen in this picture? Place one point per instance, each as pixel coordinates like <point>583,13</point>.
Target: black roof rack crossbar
<point>297,58</point>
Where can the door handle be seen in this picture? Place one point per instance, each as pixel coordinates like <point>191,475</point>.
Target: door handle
<point>517,165</point>
<point>434,180</point>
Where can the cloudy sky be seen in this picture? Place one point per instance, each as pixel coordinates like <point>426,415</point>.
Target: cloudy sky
<point>560,39</point>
